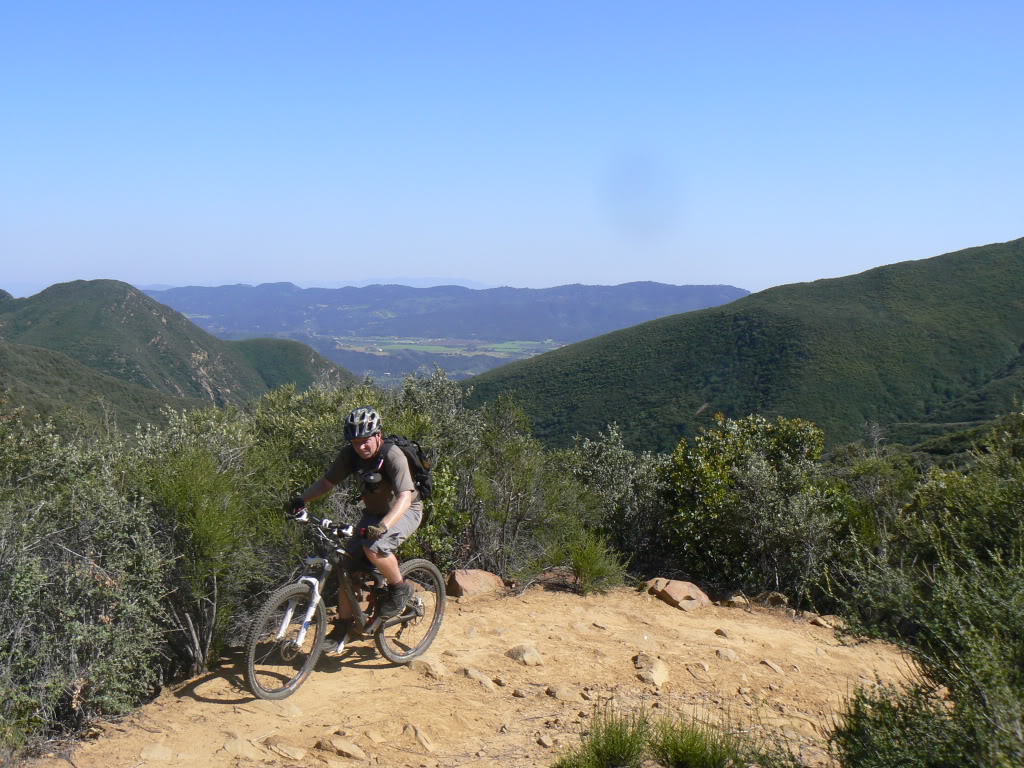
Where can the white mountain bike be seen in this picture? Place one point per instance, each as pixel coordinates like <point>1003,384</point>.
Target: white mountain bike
<point>288,633</point>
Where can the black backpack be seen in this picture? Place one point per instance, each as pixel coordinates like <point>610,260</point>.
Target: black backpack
<point>420,467</point>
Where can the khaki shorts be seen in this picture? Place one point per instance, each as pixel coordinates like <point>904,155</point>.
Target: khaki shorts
<point>386,544</point>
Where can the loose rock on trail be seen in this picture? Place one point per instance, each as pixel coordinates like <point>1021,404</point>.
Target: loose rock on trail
<point>472,704</point>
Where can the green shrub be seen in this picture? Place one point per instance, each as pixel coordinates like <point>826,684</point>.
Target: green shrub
<point>629,740</point>
<point>443,540</point>
<point>595,565</point>
<point>631,496</point>
<point>752,507</point>
<point>522,505</point>
<point>80,583</point>
<point>615,741</point>
<point>911,729</point>
<point>947,587</point>
<point>694,744</point>
<point>879,482</point>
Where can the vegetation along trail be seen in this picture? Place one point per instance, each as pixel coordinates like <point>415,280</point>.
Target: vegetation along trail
<point>502,712</point>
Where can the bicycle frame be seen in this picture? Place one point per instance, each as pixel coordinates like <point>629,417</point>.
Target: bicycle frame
<point>315,572</point>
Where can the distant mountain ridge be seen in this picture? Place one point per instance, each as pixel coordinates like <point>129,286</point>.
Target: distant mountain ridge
<point>916,343</point>
<point>122,334</point>
<point>565,313</point>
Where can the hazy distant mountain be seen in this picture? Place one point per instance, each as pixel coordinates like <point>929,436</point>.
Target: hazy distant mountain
<point>119,332</point>
<point>412,282</point>
<point>932,342</point>
<point>566,313</point>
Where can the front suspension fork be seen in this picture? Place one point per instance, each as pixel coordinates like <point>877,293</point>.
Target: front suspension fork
<point>307,620</point>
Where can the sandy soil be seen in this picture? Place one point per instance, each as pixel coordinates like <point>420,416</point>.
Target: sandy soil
<point>399,716</point>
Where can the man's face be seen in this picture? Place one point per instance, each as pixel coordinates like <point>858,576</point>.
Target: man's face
<point>367,447</point>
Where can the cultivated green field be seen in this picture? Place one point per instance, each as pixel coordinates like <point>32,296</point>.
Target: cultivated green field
<point>386,345</point>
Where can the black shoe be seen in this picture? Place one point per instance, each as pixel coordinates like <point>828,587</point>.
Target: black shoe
<point>395,600</point>
<point>339,634</point>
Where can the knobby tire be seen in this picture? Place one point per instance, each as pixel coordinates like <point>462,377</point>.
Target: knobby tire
<point>404,641</point>
<point>274,669</point>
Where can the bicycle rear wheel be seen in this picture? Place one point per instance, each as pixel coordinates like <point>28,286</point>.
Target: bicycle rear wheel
<point>275,663</point>
<point>418,624</point>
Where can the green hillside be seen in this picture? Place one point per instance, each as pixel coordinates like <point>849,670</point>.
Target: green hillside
<point>923,342</point>
<point>282,361</point>
<point>113,328</point>
<point>119,334</point>
<point>47,383</point>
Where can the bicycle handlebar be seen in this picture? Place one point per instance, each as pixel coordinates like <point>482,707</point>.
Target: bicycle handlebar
<point>323,524</point>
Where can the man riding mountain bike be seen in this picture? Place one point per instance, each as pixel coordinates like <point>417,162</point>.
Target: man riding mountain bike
<point>392,510</point>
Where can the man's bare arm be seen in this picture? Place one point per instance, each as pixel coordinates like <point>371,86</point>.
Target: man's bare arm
<point>401,503</point>
<point>320,488</point>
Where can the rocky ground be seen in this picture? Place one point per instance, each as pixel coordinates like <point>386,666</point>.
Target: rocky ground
<point>471,704</point>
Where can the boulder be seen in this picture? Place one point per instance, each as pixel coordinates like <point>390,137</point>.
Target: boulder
<point>239,747</point>
<point>342,748</point>
<point>526,655</point>
<point>727,654</point>
<point>480,677</point>
<point>678,591</point>
<point>415,732</point>
<point>464,583</point>
<point>643,659</point>
<point>652,669</point>
<point>654,586</point>
<point>772,666</point>
<point>656,674</point>
<point>429,666</point>
<point>562,693</point>
<point>699,671</point>
<point>284,749</point>
<point>679,594</point>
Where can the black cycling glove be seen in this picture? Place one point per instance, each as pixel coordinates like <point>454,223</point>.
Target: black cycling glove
<point>294,505</point>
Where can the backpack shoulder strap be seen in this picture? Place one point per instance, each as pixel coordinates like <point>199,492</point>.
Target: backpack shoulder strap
<point>391,444</point>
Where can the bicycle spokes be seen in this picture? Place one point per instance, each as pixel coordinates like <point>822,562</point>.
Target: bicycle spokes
<point>285,641</point>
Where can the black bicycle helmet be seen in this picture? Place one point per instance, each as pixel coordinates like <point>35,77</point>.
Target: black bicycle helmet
<point>362,422</point>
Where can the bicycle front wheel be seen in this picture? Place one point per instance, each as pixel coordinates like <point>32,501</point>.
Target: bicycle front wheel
<point>404,638</point>
<point>279,655</point>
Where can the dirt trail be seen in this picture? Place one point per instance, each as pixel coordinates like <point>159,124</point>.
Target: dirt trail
<point>401,717</point>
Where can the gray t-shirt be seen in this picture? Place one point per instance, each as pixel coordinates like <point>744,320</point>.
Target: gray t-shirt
<point>395,477</point>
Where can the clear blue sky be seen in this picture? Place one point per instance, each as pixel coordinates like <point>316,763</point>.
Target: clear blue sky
<point>520,143</point>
